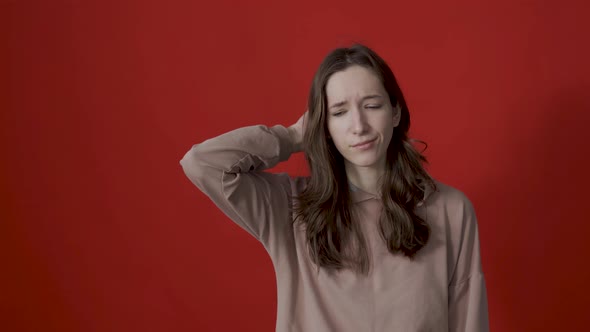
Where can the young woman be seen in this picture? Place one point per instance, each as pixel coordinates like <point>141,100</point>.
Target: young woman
<point>369,241</point>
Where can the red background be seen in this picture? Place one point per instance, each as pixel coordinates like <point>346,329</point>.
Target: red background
<point>101,231</point>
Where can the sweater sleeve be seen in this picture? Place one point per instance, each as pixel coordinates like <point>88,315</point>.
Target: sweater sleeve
<point>229,169</point>
<point>468,306</point>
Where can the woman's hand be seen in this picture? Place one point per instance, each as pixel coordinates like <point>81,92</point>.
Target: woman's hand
<point>297,131</point>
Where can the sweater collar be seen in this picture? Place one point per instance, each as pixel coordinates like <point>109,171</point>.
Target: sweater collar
<point>358,195</point>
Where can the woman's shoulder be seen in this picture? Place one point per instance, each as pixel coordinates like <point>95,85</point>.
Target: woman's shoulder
<point>298,184</point>
<point>447,196</point>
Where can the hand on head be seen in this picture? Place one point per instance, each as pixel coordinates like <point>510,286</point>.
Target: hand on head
<point>297,131</point>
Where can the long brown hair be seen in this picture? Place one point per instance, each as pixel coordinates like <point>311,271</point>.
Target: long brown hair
<point>325,207</point>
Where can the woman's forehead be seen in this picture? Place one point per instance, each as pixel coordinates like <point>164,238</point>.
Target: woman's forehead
<point>353,83</point>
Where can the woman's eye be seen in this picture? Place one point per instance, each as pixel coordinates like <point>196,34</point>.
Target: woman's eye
<point>339,113</point>
<point>373,106</point>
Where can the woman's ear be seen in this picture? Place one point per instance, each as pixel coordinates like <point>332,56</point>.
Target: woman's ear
<point>397,114</point>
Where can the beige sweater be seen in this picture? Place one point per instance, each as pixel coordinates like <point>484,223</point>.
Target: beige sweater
<point>442,289</point>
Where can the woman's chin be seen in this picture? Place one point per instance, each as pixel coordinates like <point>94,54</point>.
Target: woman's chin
<point>363,162</point>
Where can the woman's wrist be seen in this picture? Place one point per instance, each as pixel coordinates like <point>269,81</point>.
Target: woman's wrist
<point>296,138</point>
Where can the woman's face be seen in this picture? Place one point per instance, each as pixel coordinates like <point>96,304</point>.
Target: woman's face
<point>360,117</point>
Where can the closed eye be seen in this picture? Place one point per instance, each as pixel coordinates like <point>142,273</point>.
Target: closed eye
<point>338,113</point>
<point>373,106</point>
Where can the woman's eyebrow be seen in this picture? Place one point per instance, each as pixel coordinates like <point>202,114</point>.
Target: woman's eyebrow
<point>342,103</point>
<point>338,104</point>
<point>371,97</point>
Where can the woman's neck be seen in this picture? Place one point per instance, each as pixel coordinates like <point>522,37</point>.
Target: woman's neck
<point>365,178</point>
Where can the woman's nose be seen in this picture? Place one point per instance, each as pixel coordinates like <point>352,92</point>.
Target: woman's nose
<point>359,122</point>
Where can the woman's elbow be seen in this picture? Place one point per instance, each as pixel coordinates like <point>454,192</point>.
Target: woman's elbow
<point>192,165</point>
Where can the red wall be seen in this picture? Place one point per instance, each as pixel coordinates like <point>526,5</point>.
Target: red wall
<point>101,231</point>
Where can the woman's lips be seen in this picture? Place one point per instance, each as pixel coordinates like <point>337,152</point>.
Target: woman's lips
<point>364,145</point>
